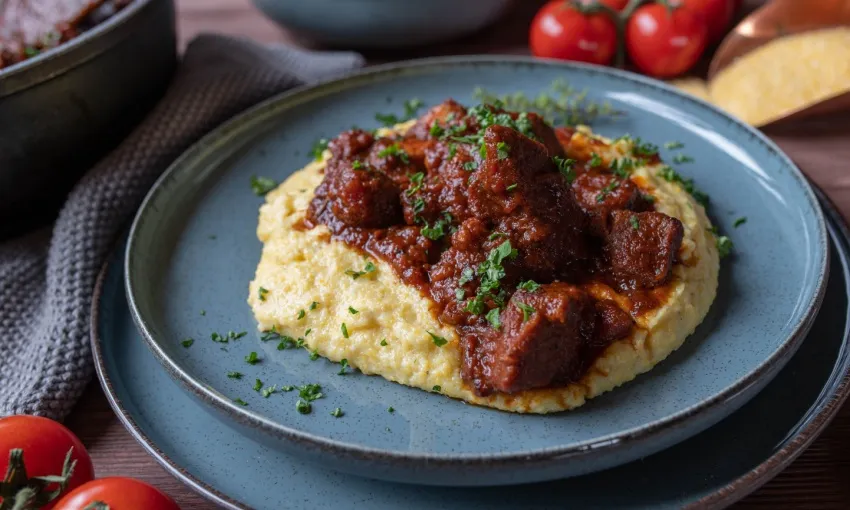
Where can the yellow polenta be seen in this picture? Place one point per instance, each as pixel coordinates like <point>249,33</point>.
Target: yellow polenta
<point>299,267</point>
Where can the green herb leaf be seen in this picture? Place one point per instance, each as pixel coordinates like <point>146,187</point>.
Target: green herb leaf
<point>344,330</point>
<point>343,365</point>
<point>436,387</point>
<point>301,314</point>
<point>394,150</point>
<point>336,413</point>
<point>511,187</point>
<point>287,388</point>
<point>526,310</point>
<point>641,148</point>
<point>387,119</point>
<point>262,293</point>
<point>313,306</point>
<point>262,185</point>
<point>303,407</point>
<point>670,175</point>
<point>529,285</point>
<point>595,160</point>
<point>188,342</point>
<point>496,235</point>
<point>310,392</point>
<point>234,375</point>
<point>673,145</point>
<point>240,402</point>
<point>384,342</point>
<point>565,166</point>
<point>681,158</point>
<point>314,355</point>
<point>252,359</point>
<point>368,268</point>
<point>411,106</point>
<point>740,221</point>
<point>603,194</point>
<point>503,150</point>
<point>258,385</point>
<point>436,131</point>
<point>416,181</point>
<point>319,148</point>
<point>268,391</point>
<point>390,409</point>
<point>353,310</point>
<point>470,166</point>
<point>724,246</point>
<point>634,222</point>
<point>438,340</point>
<point>493,318</point>
<point>452,150</point>
<point>466,276</point>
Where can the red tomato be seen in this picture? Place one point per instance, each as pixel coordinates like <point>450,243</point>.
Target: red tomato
<point>716,13</point>
<point>45,443</point>
<point>119,493</point>
<point>662,43</point>
<point>560,31</point>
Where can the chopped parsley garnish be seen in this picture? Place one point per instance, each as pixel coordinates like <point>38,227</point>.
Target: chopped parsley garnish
<point>262,185</point>
<point>336,413</point>
<point>416,180</point>
<point>359,165</point>
<point>670,175</point>
<point>203,312</point>
<point>503,150</point>
<point>343,364</point>
<point>681,158</point>
<point>438,340</point>
<point>526,310</point>
<point>436,388</point>
<point>240,402</point>
<point>603,194</point>
<point>623,167</point>
<point>252,359</point>
<point>595,160</point>
<point>511,187</point>
<point>740,221</point>
<point>493,318</point>
<point>641,148</point>
<point>438,229</point>
<point>307,331</point>
<point>418,206</point>
<point>565,166</point>
<point>269,335</point>
<point>231,335</point>
<point>286,342</point>
<point>387,119</point>
<point>313,306</point>
<point>436,130</point>
<point>268,391</point>
<point>301,314</point>
<point>303,407</point>
<point>314,355</point>
<point>353,310</point>
<point>724,246</point>
<point>470,166</point>
<point>261,293</point>
<point>673,145</point>
<point>287,388</point>
<point>529,285</point>
<point>452,150</point>
<point>344,330</point>
<point>394,150</point>
<point>496,235</point>
<point>234,375</point>
<point>490,271</point>
<point>634,222</point>
<point>466,276</point>
<point>390,409</point>
<point>258,385</point>
<point>368,268</point>
<point>310,392</point>
<point>319,148</point>
<point>188,342</point>
<point>384,342</point>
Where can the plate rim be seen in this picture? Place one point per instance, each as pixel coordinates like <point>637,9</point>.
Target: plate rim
<point>613,442</point>
<point>732,492</point>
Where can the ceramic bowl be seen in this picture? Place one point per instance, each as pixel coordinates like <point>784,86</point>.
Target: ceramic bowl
<point>63,109</point>
<point>382,23</point>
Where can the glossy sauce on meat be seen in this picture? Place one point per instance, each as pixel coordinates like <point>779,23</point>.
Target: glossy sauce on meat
<point>483,212</point>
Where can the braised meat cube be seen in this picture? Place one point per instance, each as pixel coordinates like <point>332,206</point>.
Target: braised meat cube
<point>544,335</point>
<point>350,143</point>
<point>361,198</point>
<point>544,134</point>
<point>408,252</point>
<point>448,115</point>
<point>642,247</point>
<point>599,193</point>
<point>612,323</point>
<point>389,157</point>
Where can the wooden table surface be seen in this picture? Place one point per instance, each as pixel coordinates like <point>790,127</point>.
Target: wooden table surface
<point>819,479</point>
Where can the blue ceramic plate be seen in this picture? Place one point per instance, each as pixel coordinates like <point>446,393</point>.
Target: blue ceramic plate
<point>193,247</point>
<point>710,470</point>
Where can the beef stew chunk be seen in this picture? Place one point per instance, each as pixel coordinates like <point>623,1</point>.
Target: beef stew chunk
<point>470,207</point>
<point>642,247</point>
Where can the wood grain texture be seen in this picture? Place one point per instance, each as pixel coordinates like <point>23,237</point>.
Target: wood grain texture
<point>819,479</point>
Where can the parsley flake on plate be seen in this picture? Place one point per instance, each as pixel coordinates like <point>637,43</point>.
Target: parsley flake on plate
<point>252,359</point>
<point>438,340</point>
<point>188,342</point>
<point>234,375</point>
<point>344,330</point>
<point>343,364</point>
<point>262,185</point>
<point>240,402</point>
<point>526,310</point>
<point>336,413</point>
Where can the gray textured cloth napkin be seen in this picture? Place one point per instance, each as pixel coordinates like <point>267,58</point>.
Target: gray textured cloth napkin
<point>47,277</point>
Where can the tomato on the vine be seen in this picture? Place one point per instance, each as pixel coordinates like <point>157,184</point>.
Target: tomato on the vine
<point>116,493</point>
<point>664,41</point>
<point>716,13</point>
<point>560,31</point>
<point>40,446</point>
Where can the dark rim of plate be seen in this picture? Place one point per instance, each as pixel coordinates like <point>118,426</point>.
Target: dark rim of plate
<point>819,416</point>
<point>612,442</point>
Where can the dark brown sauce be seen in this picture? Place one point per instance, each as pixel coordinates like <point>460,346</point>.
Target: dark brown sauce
<point>480,211</point>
